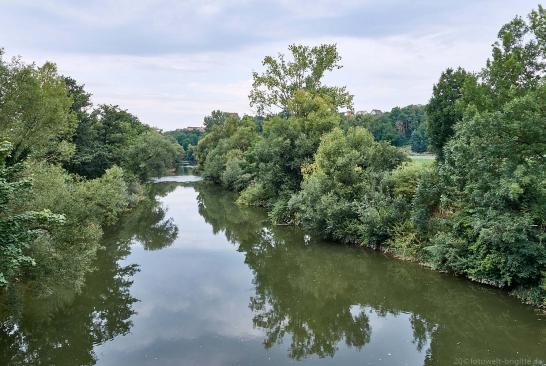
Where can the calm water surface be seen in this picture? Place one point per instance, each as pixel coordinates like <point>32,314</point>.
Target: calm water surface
<point>189,278</point>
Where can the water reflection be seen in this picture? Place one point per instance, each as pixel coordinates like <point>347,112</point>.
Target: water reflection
<point>220,285</point>
<point>317,297</point>
<point>148,223</point>
<point>64,328</point>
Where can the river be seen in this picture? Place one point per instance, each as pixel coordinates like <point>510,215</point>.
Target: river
<point>190,278</point>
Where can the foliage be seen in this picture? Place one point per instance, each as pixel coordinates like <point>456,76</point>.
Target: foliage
<point>445,108</point>
<point>35,114</point>
<point>65,254</point>
<point>396,126</point>
<point>276,87</point>
<point>478,210</point>
<point>112,136</point>
<point>515,68</point>
<point>419,140</point>
<point>484,211</point>
<point>518,59</point>
<point>494,189</point>
<point>254,195</point>
<point>19,227</point>
<point>220,151</point>
<point>51,219</point>
<point>150,155</point>
<point>187,138</point>
<point>289,144</point>
<point>345,196</point>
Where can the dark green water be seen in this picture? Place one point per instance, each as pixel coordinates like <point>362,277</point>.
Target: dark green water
<point>191,279</point>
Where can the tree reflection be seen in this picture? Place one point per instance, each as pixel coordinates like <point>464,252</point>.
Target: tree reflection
<point>63,329</point>
<point>148,223</point>
<point>308,291</point>
<point>295,294</point>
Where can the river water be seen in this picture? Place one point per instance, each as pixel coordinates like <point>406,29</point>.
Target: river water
<point>190,278</point>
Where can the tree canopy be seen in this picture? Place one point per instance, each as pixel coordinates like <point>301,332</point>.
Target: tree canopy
<point>479,210</point>
<point>66,171</point>
<point>304,70</point>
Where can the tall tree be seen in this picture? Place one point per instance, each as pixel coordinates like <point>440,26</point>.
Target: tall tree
<point>276,86</point>
<point>445,108</point>
<point>35,114</point>
<point>518,61</point>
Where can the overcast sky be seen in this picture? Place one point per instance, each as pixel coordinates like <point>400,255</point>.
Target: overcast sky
<point>172,62</point>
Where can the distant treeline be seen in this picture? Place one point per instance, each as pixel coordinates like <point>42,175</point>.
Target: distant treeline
<point>479,210</point>
<point>188,139</point>
<point>401,127</point>
<point>67,170</point>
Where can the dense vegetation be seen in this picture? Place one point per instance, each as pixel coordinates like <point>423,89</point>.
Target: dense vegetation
<point>70,323</point>
<point>401,126</point>
<point>67,170</point>
<point>479,211</point>
<point>188,139</point>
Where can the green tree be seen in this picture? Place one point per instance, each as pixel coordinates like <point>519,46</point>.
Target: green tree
<point>344,195</point>
<point>35,113</point>
<point>222,148</point>
<point>19,228</point>
<point>103,139</point>
<point>419,139</point>
<point>151,154</point>
<point>217,117</point>
<point>282,78</point>
<point>111,136</point>
<point>64,254</point>
<point>290,143</point>
<point>494,174</point>
<point>446,108</point>
<point>518,59</point>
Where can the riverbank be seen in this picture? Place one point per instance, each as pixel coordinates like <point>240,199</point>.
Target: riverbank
<point>171,269</point>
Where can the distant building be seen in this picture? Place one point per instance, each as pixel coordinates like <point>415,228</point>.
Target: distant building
<point>376,112</point>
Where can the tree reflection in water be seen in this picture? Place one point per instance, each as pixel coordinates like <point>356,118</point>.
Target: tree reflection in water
<point>319,295</point>
<point>317,298</point>
<point>63,329</point>
<point>302,291</point>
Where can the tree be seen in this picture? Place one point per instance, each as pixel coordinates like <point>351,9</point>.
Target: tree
<point>445,108</point>
<point>151,154</point>
<point>518,59</point>
<point>112,136</point>
<point>275,87</point>
<point>217,117</point>
<point>343,195</point>
<point>419,140</point>
<point>18,228</point>
<point>290,143</point>
<point>483,208</point>
<point>81,99</point>
<point>188,138</point>
<point>185,137</point>
<point>35,114</point>
<point>228,138</point>
<point>494,196</point>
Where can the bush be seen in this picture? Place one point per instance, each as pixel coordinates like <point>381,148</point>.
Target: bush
<point>254,195</point>
<point>493,197</point>
<point>64,254</point>
<point>345,194</point>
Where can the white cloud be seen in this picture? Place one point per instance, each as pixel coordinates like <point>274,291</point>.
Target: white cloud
<point>173,62</point>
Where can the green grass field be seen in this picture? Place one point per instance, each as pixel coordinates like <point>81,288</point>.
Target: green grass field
<point>422,160</point>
